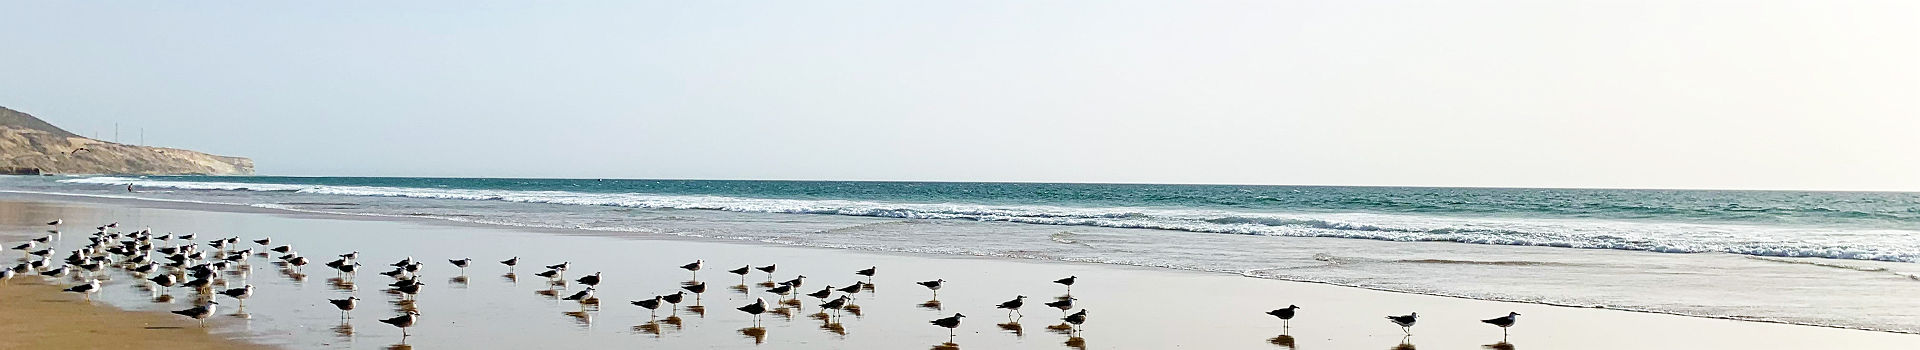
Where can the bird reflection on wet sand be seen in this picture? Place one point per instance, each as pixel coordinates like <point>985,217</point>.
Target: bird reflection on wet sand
<point>1283,340</point>
<point>931,305</point>
<point>947,346</point>
<point>458,282</point>
<point>1406,343</point>
<point>1062,328</point>
<point>340,284</point>
<point>834,327</point>
<point>1077,343</point>
<point>582,317</point>
<point>758,334</point>
<point>698,310</point>
<point>1015,328</point>
<point>1502,345</point>
<point>344,330</point>
<point>651,327</point>
<point>675,321</point>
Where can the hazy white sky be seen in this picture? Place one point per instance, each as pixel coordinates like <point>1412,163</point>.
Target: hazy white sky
<point>1665,94</point>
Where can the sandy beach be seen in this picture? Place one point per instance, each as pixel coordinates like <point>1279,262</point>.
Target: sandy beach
<point>487,307</point>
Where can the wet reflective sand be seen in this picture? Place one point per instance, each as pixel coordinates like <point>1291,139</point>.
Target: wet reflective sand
<point>1129,308</point>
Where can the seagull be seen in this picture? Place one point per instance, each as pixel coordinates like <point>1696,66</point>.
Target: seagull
<point>590,280</point>
<point>742,271</point>
<point>674,299</point>
<point>934,285</point>
<point>351,256</point>
<point>581,296</point>
<point>1068,282</point>
<point>92,286</point>
<point>404,321</point>
<point>283,249</point>
<point>836,304</point>
<point>781,290</point>
<point>696,288</point>
<point>853,288</point>
<point>1013,306</point>
<point>297,262</point>
<point>950,323</point>
<point>55,222</point>
<point>344,305</point>
<point>562,266</point>
<point>264,241</point>
<point>867,272</point>
<point>758,307</point>
<point>822,294</point>
<point>1503,322</point>
<point>403,262</point>
<point>48,238</point>
<point>462,264</point>
<point>1063,304</point>
<point>769,270</point>
<point>549,274</point>
<point>1077,318</point>
<point>515,261</point>
<point>654,304</point>
<point>1286,314</point>
<point>199,312</point>
<point>240,294</point>
<point>56,272</point>
<point>795,282</point>
<point>1405,322</point>
<point>26,246</point>
<point>695,267</point>
<point>182,237</point>
<point>7,275</point>
<point>412,290</point>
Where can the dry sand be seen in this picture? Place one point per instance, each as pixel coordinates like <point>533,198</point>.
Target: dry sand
<point>1129,307</point>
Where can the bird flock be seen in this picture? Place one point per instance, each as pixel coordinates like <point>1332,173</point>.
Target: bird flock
<point>171,261</point>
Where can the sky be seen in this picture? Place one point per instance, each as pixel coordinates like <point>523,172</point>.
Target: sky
<point>1821,95</point>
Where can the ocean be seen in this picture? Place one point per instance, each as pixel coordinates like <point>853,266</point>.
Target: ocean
<point>1841,259</point>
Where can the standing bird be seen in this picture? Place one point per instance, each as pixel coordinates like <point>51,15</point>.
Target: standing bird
<point>411,290</point>
<point>511,263</point>
<point>6,275</point>
<point>854,288</point>
<point>867,272</point>
<point>795,282</point>
<point>199,312</point>
<point>264,241</point>
<point>674,299</point>
<point>1063,304</point>
<point>561,266</point>
<point>653,305</point>
<point>781,290</point>
<point>87,290</point>
<point>590,280</point>
<point>758,307</point>
<point>1067,282</point>
<point>822,294</point>
<point>240,294</point>
<point>404,321</point>
<point>742,271</point>
<point>950,323</point>
<point>769,270</point>
<point>1013,306</point>
<point>345,305</point>
<point>55,222</point>
<point>1076,319</point>
<point>1405,322</point>
<point>582,296</point>
<point>462,264</point>
<point>1285,315</point>
<point>1503,322</point>
<point>695,268</point>
<point>933,285</point>
<point>549,274</point>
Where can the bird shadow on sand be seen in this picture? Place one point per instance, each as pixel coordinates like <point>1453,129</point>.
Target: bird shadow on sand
<point>399,347</point>
<point>946,346</point>
<point>1502,345</point>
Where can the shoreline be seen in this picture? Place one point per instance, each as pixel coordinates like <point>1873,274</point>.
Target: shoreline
<point>628,235</point>
<point>1133,306</point>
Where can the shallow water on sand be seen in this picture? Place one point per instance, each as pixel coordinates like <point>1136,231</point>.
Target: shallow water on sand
<point>1131,308</point>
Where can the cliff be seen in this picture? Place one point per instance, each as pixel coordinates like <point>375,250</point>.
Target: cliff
<point>30,145</point>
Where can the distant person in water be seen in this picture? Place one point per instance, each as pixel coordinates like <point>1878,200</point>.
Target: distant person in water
<point>129,188</point>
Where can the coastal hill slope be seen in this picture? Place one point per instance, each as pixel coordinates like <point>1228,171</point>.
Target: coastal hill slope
<point>29,145</point>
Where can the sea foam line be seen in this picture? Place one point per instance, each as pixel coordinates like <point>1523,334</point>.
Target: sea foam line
<point>1567,233</point>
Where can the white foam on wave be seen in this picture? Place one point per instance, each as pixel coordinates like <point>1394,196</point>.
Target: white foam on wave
<point>1859,244</point>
